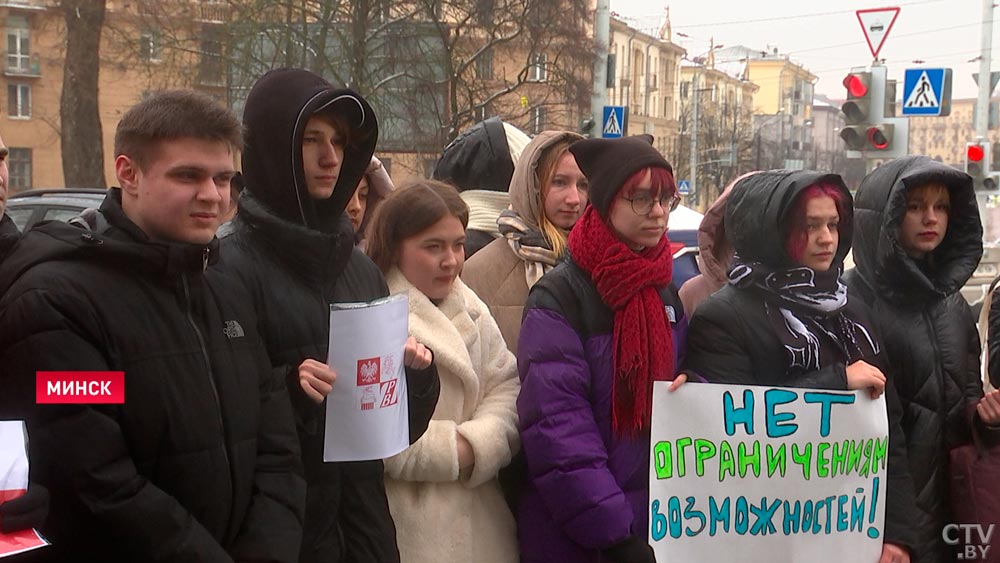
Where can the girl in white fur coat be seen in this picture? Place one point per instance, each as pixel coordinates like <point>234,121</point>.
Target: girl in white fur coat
<point>443,490</point>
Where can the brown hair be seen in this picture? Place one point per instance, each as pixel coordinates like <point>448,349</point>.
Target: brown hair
<point>543,175</point>
<point>408,211</point>
<point>174,114</point>
<point>334,117</point>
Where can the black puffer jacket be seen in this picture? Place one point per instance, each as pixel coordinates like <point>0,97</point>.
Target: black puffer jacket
<point>201,462</point>
<point>297,255</point>
<point>926,325</point>
<point>731,340</point>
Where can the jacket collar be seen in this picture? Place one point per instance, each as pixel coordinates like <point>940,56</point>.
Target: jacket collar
<point>318,257</point>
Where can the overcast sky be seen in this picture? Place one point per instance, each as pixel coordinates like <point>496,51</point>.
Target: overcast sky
<point>826,38</point>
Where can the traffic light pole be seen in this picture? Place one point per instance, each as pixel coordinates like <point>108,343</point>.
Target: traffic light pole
<point>985,83</point>
<point>602,38</point>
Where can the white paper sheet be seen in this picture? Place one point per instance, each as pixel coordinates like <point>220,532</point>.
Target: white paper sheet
<point>366,413</point>
<point>14,483</point>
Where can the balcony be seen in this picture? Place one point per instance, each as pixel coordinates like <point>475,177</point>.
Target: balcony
<point>213,13</point>
<point>24,69</point>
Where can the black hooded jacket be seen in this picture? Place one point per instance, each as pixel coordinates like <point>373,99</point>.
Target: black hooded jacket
<point>478,159</point>
<point>926,325</point>
<point>731,339</point>
<point>201,462</point>
<point>297,255</point>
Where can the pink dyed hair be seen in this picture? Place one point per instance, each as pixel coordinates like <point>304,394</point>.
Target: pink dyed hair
<point>659,179</point>
<point>798,235</point>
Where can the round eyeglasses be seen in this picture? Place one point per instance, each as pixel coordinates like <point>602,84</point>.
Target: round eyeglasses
<point>642,202</point>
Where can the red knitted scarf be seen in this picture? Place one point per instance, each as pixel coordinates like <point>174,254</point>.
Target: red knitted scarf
<point>628,283</point>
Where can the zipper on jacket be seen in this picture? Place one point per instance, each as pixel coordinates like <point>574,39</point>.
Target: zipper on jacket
<point>204,258</point>
<point>211,376</point>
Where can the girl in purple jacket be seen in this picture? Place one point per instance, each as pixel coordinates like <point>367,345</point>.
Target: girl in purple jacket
<point>597,331</point>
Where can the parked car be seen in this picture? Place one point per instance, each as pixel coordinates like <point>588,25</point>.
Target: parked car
<point>59,204</point>
<point>683,234</point>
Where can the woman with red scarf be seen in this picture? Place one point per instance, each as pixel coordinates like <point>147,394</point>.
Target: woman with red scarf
<point>597,331</point>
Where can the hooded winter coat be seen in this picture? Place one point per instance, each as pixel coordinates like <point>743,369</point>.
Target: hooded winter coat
<point>497,273</point>
<point>926,325</point>
<point>714,253</point>
<point>480,163</point>
<point>201,461</point>
<point>731,339</point>
<point>443,514</point>
<point>297,255</point>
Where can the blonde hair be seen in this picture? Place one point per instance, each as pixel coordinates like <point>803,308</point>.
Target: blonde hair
<point>555,236</point>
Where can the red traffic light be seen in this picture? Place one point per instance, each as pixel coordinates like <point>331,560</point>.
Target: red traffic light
<point>856,85</point>
<point>974,153</point>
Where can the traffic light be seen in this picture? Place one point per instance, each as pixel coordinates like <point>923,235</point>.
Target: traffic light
<point>869,124</point>
<point>977,165</point>
<point>880,137</point>
<point>856,110</point>
<point>586,126</point>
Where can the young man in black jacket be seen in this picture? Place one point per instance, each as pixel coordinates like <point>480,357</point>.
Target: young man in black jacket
<point>200,462</point>
<point>308,145</point>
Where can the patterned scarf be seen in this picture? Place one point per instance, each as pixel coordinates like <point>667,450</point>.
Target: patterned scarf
<point>642,342</point>
<point>802,304</point>
<point>529,245</point>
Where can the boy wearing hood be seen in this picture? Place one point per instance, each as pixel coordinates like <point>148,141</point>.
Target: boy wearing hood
<point>919,239</point>
<point>200,462</point>
<point>308,145</point>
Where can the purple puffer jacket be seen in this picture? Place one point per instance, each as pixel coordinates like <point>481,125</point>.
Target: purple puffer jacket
<point>586,489</point>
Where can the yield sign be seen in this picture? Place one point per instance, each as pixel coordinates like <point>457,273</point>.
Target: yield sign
<point>877,23</point>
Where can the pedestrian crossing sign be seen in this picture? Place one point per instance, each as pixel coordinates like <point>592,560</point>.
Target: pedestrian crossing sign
<point>613,125</point>
<point>927,91</point>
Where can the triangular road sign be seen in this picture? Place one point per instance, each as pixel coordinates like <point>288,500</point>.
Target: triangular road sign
<point>877,23</point>
<point>922,95</point>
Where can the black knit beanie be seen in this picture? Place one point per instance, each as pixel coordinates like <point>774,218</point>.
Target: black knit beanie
<point>607,163</point>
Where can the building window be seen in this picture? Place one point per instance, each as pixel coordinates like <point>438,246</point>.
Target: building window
<point>18,44</point>
<point>537,119</point>
<point>538,71</point>
<point>685,89</point>
<point>150,46</point>
<point>19,164</point>
<point>483,112</point>
<point>484,65</point>
<point>210,72</point>
<point>19,100</point>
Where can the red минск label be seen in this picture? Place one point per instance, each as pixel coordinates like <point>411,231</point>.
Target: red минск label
<point>79,387</point>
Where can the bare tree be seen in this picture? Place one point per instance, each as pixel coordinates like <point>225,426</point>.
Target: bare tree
<point>725,146</point>
<point>430,68</point>
<point>80,122</point>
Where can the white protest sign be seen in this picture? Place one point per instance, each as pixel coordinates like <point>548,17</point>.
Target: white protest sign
<point>14,483</point>
<point>776,475</point>
<point>366,413</point>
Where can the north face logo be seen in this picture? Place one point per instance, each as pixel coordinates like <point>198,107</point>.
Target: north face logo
<point>233,330</point>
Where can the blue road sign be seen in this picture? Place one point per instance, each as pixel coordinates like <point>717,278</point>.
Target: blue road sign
<point>613,123</point>
<point>927,91</point>
<point>684,187</point>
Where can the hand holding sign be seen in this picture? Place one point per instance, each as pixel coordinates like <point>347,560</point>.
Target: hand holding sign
<point>862,375</point>
<point>316,379</point>
<point>416,355</point>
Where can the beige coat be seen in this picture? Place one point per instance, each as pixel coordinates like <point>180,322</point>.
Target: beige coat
<point>496,273</point>
<point>441,515</point>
